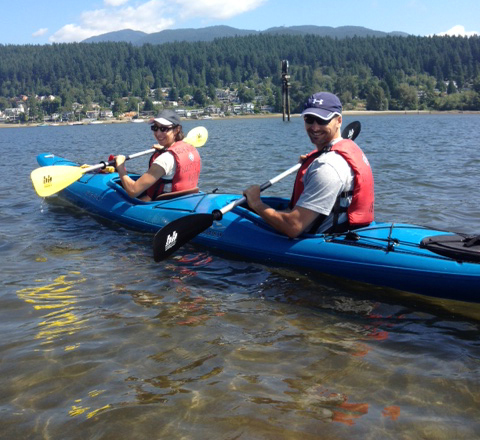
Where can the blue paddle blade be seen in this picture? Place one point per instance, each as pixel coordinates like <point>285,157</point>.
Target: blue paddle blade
<point>179,232</point>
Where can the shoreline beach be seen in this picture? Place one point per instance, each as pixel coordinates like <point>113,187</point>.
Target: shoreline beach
<point>264,115</point>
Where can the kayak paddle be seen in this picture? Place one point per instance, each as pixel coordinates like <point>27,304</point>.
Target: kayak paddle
<point>352,130</point>
<point>52,179</point>
<point>179,232</point>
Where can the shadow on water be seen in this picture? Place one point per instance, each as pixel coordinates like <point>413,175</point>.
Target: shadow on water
<point>315,290</point>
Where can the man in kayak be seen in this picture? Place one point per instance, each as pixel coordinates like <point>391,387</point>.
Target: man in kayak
<point>333,190</point>
<point>173,168</point>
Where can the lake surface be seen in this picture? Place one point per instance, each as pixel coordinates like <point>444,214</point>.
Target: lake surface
<point>100,342</point>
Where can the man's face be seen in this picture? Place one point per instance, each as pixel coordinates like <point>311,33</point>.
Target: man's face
<point>322,132</point>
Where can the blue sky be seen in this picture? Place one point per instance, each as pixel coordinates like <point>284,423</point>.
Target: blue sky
<point>44,22</point>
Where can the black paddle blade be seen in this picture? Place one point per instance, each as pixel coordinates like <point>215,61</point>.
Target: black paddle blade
<point>352,130</point>
<point>179,232</point>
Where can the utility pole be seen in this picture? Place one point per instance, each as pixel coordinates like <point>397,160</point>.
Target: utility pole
<point>285,87</point>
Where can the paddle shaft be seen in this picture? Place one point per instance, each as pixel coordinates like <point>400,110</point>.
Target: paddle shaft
<point>179,232</point>
<point>190,138</point>
<point>263,187</point>
<point>351,131</point>
<point>102,165</point>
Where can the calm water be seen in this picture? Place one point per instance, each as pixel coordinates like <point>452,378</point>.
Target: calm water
<point>100,342</point>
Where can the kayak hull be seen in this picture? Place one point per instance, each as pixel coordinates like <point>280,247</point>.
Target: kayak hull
<point>383,254</point>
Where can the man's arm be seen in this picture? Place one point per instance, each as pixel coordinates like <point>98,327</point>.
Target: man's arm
<point>291,223</point>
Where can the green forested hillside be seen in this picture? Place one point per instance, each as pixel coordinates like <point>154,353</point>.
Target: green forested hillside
<point>393,73</point>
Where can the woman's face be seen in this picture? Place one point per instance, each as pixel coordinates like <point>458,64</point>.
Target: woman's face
<point>165,138</point>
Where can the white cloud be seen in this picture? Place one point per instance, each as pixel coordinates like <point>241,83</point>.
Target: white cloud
<point>217,9</point>
<point>115,2</point>
<point>70,33</point>
<point>145,18</point>
<point>148,16</point>
<point>459,31</point>
<point>40,32</point>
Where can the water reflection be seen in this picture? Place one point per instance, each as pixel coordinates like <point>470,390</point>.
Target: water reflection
<point>60,297</point>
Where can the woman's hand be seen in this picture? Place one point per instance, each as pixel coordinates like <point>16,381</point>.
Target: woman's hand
<point>120,162</point>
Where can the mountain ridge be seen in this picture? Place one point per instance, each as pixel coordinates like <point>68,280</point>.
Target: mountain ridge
<point>139,38</point>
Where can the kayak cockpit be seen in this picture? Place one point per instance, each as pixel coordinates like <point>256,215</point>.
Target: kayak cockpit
<point>116,184</point>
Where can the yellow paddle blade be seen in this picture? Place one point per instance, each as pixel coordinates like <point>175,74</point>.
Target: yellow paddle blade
<point>50,180</point>
<point>197,137</point>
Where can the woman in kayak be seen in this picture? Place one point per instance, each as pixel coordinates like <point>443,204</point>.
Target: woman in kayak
<point>333,190</point>
<point>173,168</point>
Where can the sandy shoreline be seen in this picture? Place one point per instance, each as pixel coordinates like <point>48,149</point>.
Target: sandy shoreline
<point>269,115</point>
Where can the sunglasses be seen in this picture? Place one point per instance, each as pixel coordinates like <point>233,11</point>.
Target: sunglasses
<point>310,119</point>
<point>161,128</point>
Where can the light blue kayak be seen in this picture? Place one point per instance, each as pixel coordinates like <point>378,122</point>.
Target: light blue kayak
<point>401,256</point>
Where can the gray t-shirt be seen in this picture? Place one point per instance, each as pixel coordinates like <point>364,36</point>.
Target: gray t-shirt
<point>327,176</point>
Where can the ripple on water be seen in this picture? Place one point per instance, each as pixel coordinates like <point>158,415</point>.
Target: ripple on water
<point>101,342</point>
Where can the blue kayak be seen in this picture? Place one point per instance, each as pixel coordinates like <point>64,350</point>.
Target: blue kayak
<point>401,256</point>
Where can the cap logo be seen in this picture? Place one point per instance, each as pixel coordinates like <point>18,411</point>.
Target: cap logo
<point>317,101</point>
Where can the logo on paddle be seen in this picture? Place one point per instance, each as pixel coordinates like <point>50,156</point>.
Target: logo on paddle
<point>171,240</point>
<point>47,180</point>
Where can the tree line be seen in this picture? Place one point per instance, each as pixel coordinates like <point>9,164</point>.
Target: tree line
<point>375,73</point>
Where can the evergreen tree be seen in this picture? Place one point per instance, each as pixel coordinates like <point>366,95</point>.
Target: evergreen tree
<point>451,89</point>
<point>148,106</point>
<point>376,99</point>
<point>118,107</point>
<point>199,97</point>
<point>173,94</point>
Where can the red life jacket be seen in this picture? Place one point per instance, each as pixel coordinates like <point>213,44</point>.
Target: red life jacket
<point>360,211</point>
<point>188,166</point>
